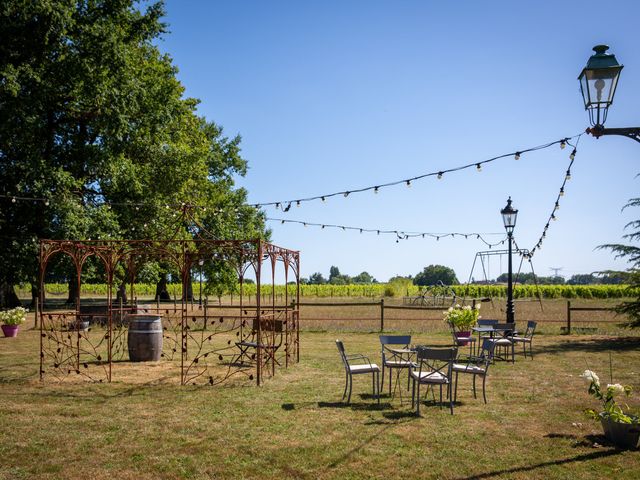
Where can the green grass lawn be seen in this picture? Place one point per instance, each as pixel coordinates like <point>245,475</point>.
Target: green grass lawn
<point>294,426</point>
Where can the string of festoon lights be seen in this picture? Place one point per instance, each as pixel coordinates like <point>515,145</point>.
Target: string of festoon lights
<point>285,205</point>
<point>399,234</point>
<point>553,216</point>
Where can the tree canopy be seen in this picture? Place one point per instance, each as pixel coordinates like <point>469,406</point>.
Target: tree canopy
<point>94,126</point>
<point>632,254</point>
<point>433,274</point>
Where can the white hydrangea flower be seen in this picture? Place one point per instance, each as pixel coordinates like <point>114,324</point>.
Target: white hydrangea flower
<point>591,377</point>
<point>615,389</point>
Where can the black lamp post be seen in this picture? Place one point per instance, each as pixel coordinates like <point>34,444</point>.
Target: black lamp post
<point>598,82</point>
<point>509,216</point>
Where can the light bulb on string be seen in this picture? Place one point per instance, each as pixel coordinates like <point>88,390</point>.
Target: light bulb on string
<point>553,217</point>
<point>478,167</point>
<point>573,154</point>
<point>517,156</point>
<point>562,191</point>
<point>346,194</point>
<point>408,183</point>
<point>375,190</point>
<point>13,200</point>
<point>46,203</point>
<point>439,175</point>
<point>563,144</point>
<point>323,199</point>
<point>568,177</point>
<point>297,203</point>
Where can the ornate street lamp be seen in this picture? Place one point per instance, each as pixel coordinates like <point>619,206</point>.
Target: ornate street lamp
<point>598,82</point>
<point>509,217</point>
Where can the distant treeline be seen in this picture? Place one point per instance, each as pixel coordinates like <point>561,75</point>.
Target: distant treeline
<point>372,290</point>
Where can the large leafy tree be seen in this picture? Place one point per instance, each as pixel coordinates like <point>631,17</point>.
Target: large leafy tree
<point>433,274</point>
<point>94,123</point>
<point>632,254</point>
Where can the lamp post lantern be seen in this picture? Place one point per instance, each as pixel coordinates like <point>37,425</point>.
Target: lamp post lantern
<point>598,82</point>
<point>509,217</point>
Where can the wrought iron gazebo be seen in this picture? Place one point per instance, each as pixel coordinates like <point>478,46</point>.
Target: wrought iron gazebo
<point>208,343</point>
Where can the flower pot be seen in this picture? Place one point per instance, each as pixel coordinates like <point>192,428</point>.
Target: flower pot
<point>10,330</point>
<point>466,334</point>
<point>623,435</point>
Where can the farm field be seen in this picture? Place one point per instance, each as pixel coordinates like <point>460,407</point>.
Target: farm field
<point>145,290</point>
<point>294,426</point>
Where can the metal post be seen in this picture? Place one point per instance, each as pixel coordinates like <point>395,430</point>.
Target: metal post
<point>381,315</point>
<point>568,317</point>
<point>510,310</point>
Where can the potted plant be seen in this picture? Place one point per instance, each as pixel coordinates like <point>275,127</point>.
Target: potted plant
<point>11,320</point>
<point>620,428</point>
<point>462,319</point>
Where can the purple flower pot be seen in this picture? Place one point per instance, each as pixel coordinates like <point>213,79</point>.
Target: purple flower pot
<point>10,330</point>
<point>466,334</point>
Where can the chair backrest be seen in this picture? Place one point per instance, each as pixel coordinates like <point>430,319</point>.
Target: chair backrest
<point>505,328</point>
<point>402,340</point>
<point>486,351</point>
<point>531,328</point>
<point>439,360</point>
<point>487,323</point>
<point>343,355</point>
<point>268,325</point>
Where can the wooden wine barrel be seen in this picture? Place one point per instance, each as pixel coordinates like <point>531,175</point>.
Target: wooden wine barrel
<point>145,337</point>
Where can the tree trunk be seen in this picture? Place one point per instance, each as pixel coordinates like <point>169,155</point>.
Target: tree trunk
<point>161,288</point>
<point>8,297</point>
<point>122,294</point>
<point>73,292</point>
<point>35,293</point>
<point>189,291</point>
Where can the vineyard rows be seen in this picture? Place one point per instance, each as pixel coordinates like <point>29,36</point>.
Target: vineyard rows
<point>375,290</point>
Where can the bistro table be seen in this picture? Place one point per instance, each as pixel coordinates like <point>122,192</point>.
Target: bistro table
<point>492,331</point>
<point>402,355</point>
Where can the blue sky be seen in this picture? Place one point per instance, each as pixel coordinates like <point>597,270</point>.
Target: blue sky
<point>336,95</point>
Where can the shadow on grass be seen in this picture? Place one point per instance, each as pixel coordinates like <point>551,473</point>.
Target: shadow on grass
<point>529,468</point>
<point>592,345</point>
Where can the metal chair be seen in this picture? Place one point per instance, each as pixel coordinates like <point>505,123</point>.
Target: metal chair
<point>526,338</point>
<point>476,366</point>
<point>355,369</point>
<point>392,359</point>
<point>271,340</point>
<point>502,340</point>
<point>434,367</point>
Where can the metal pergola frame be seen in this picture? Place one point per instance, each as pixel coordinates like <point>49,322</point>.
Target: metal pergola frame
<point>206,340</point>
